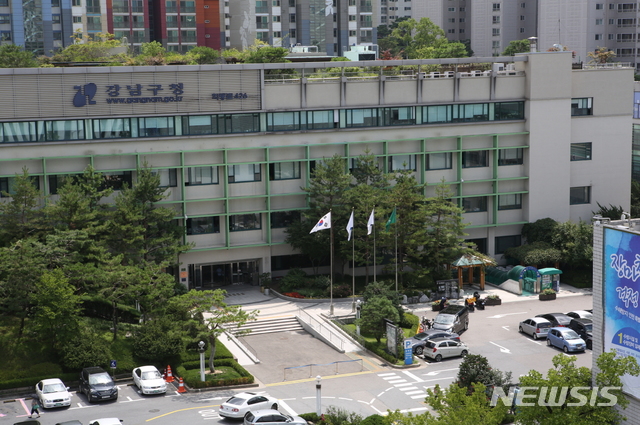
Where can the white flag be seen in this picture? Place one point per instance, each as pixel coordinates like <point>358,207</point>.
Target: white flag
<point>370,223</point>
<point>324,223</point>
<point>350,226</point>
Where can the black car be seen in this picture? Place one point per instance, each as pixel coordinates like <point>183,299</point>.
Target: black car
<point>584,328</point>
<point>419,341</point>
<point>557,319</point>
<point>97,384</point>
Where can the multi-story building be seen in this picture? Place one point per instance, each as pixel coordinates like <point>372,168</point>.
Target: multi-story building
<point>531,140</point>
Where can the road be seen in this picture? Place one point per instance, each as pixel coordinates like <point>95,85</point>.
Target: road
<point>365,387</point>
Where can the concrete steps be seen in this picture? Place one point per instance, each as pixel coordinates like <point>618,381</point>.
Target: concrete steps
<point>265,326</point>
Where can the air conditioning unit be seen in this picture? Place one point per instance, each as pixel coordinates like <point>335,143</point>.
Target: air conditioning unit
<point>207,36</point>
<point>206,6</point>
<point>511,67</point>
<point>497,67</point>
<point>206,21</point>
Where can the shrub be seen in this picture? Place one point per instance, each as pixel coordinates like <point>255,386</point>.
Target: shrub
<point>157,341</point>
<point>293,280</point>
<point>339,416</point>
<point>310,417</point>
<point>410,321</point>
<point>374,420</point>
<point>86,349</point>
<point>547,291</point>
<point>342,291</point>
<point>192,377</point>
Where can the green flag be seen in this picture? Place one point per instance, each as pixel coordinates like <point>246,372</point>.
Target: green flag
<point>392,218</point>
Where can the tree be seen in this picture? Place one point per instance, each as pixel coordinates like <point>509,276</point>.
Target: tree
<point>212,315</point>
<point>457,406</point>
<point>158,340</point>
<point>21,217</point>
<point>556,410</point>
<point>422,39</point>
<point>100,47</point>
<point>57,309</point>
<point>204,55</point>
<point>13,56</point>
<point>575,242</point>
<point>614,212</point>
<point>540,230</point>
<point>475,369</point>
<point>517,46</point>
<point>601,55</point>
<point>372,316</point>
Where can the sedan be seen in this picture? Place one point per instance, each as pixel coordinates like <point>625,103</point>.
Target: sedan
<point>272,417</point>
<point>580,314</point>
<point>566,339</point>
<point>106,421</point>
<point>440,348</point>
<point>418,341</point>
<point>52,393</point>
<point>537,327</point>
<point>556,319</point>
<point>241,403</point>
<point>149,380</point>
<point>73,422</point>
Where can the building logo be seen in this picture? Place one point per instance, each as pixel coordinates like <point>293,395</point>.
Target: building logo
<point>556,396</point>
<point>84,95</point>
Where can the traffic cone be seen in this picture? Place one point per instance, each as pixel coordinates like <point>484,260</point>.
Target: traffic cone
<point>181,388</point>
<point>164,374</point>
<point>169,374</point>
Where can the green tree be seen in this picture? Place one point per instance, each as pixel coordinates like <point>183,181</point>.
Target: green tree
<point>85,349</point>
<point>517,46</point>
<point>267,54</point>
<point>475,369</point>
<point>575,242</point>
<point>541,230</point>
<point>565,374</point>
<point>158,341</point>
<point>372,316</point>
<point>13,56</point>
<point>21,217</point>
<point>423,39</point>
<point>204,55</point>
<point>614,212</point>
<point>457,406</point>
<point>212,315</point>
<point>101,47</point>
<point>57,309</point>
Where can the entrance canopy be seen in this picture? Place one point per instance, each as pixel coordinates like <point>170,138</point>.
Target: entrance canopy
<point>470,261</point>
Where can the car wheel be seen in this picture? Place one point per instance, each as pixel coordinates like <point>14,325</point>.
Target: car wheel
<point>565,349</point>
<point>89,398</point>
<point>464,353</point>
<point>274,407</point>
<point>548,342</point>
<point>590,345</point>
<point>535,336</point>
<point>520,329</point>
<point>466,325</point>
<point>419,351</point>
<point>438,358</point>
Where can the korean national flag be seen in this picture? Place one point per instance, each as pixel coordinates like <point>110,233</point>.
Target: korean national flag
<point>324,223</point>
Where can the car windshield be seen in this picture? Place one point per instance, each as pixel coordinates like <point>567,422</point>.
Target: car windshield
<point>421,336</point>
<point>236,400</point>
<point>570,335</point>
<point>444,319</point>
<point>152,374</point>
<point>589,327</point>
<point>53,388</point>
<point>99,379</point>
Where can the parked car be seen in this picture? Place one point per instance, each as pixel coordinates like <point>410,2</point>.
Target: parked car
<point>454,318</point>
<point>149,380</point>
<point>96,384</point>
<point>584,328</point>
<point>271,417</point>
<point>418,341</point>
<point>441,348</point>
<point>52,393</point>
<point>106,421</point>
<point>238,405</point>
<point>73,422</point>
<point>537,327</point>
<point>580,314</point>
<point>566,339</point>
<point>28,422</point>
<point>556,319</point>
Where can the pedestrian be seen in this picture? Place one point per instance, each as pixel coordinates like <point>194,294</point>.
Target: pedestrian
<point>35,405</point>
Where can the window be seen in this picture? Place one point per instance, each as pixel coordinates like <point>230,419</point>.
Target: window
<point>522,17</point>
<point>510,156</point>
<point>284,171</point>
<point>244,173</point>
<point>316,120</point>
<point>580,195</point>
<point>521,30</point>
<point>451,20</point>
<point>59,180</point>
<point>599,6</point>
<point>353,18</point>
<point>276,3</point>
<point>402,162</point>
<point>7,184</point>
<point>599,21</point>
<point>156,126</point>
<point>116,180</point>
<point>283,121</point>
<point>168,177</point>
<point>598,36</point>
<point>292,33</point>
<point>64,130</point>
<point>398,116</point>
<point>199,124</point>
<point>277,34</point>
<point>439,161</point>
<point>55,18</point>
<point>462,9</point>
<point>461,30</point>
<point>581,151</point>
<point>202,225</point>
<point>111,128</point>
<point>57,36</point>
<point>496,7</point>
<point>276,18</point>
<point>472,159</point>
<point>242,123</point>
<point>475,204</point>
<point>451,31</point>
<point>510,202</point>
<point>362,118</point>
<point>238,223</point>
<point>496,19</point>
<point>504,242</point>
<point>201,176</point>
<point>451,9</point>
<point>353,33</point>
<point>509,111</point>
<point>280,219</point>
<point>581,106</point>
<point>5,18</point>
<point>495,32</point>
<point>24,131</point>
<point>76,2</point>
<point>481,244</point>
<point>292,17</point>
<point>77,19</point>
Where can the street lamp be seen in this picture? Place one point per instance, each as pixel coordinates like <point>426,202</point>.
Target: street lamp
<point>318,403</point>
<point>201,351</point>
<point>358,307</point>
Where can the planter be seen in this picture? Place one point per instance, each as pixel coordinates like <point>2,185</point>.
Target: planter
<point>437,307</point>
<point>491,301</point>
<point>546,297</point>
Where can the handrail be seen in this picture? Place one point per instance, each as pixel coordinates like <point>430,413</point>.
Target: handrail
<point>310,366</point>
<point>321,329</point>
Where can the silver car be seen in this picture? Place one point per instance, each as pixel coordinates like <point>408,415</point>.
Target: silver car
<point>537,327</point>
<point>441,348</point>
<point>271,417</point>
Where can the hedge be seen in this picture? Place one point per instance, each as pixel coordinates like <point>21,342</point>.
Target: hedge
<point>33,380</point>
<point>245,376</point>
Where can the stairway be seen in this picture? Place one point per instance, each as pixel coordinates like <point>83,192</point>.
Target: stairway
<point>265,326</point>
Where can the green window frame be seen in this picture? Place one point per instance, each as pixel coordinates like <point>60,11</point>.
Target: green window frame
<point>244,222</point>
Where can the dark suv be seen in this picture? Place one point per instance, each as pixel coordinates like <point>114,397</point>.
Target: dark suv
<point>454,318</point>
<point>584,328</point>
<point>97,384</point>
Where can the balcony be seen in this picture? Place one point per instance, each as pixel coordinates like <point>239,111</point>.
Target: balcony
<point>93,9</point>
<point>262,9</point>
<point>187,9</point>
<point>92,26</point>
<point>121,9</point>
<point>262,25</point>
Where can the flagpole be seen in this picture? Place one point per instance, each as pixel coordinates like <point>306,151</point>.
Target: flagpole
<point>331,271</point>
<point>374,254</point>
<point>396,226</point>
<point>353,269</point>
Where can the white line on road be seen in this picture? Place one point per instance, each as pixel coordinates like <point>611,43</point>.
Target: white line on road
<point>288,408</point>
<point>412,376</point>
<point>415,392</point>
<point>500,316</point>
<point>439,379</point>
<point>535,342</point>
<point>386,374</point>
<point>502,349</point>
<point>404,385</point>
<point>397,381</point>
<point>435,372</point>
<point>408,389</point>
<point>506,328</point>
<point>344,398</point>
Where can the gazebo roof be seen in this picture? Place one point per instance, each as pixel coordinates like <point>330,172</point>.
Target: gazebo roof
<point>469,260</point>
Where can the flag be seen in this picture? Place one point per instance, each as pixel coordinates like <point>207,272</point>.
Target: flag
<point>370,223</point>
<point>324,223</point>
<point>350,225</point>
<point>392,218</point>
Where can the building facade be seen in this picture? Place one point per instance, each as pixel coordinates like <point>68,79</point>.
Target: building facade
<point>533,140</point>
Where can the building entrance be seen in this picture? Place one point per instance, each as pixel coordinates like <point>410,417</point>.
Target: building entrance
<point>214,275</point>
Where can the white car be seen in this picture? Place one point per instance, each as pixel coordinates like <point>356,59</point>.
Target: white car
<point>537,327</point>
<point>52,393</point>
<point>241,403</point>
<point>440,348</point>
<point>106,421</point>
<point>149,380</point>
